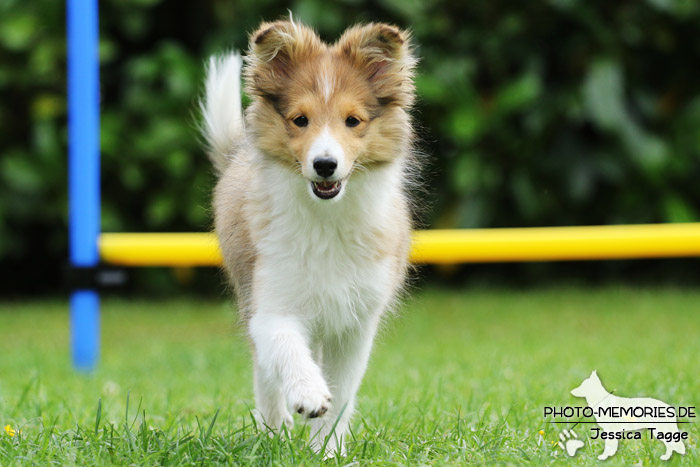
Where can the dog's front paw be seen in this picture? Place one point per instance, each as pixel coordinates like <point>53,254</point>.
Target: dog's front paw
<point>310,400</point>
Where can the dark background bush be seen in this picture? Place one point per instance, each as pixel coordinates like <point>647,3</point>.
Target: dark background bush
<point>533,114</point>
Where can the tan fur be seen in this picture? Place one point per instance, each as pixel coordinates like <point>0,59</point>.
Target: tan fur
<point>371,71</point>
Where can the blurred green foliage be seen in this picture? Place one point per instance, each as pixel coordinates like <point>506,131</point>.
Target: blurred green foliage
<point>558,112</point>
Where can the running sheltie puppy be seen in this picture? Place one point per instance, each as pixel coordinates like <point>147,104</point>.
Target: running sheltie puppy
<point>311,209</point>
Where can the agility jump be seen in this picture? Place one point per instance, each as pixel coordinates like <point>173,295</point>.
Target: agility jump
<point>442,246</point>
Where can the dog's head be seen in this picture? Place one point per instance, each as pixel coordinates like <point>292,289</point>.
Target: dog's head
<point>326,110</point>
<point>587,386</point>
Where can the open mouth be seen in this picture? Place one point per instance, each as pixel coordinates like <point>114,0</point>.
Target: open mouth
<point>326,190</point>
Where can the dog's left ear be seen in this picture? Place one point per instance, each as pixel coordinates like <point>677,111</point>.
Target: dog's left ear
<point>384,53</point>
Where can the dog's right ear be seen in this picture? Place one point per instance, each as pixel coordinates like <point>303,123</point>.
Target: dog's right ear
<point>274,49</point>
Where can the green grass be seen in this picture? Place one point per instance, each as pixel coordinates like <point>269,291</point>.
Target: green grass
<point>459,376</point>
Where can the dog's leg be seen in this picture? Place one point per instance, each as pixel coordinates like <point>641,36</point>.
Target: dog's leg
<point>284,361</point>
<point>609,450</point>
<point>271,408</point>
<point>676,446</point>
<point>672,446</point>
<point>344,364</point>
<point>669,451</point>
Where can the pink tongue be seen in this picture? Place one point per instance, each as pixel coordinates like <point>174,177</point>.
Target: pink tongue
<point>326,185</point>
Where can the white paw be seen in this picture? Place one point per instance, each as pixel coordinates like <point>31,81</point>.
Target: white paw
<point>602,457</point>
<point>310,400</point>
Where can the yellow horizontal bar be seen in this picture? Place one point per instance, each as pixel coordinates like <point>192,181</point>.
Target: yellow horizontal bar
<point>556,243</point>
<point>160,249</point>
<point>443,246</point>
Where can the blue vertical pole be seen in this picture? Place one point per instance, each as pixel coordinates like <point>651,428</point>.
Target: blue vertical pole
<point>83,173</point>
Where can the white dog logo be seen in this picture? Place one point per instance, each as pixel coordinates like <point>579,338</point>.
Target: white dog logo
<point>616,415</point>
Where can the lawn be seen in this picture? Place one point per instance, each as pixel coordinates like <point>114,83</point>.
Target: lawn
<point>458,377</point>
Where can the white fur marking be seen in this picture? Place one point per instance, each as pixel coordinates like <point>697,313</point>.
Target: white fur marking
<point>221,107</point>
<point>327,85</point>
<point>325,236</point>
<point>327,316</point>
<point>325,145</point>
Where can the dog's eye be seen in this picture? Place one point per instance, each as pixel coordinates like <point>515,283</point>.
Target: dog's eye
<point>301,121</point>
<point>351,122</point>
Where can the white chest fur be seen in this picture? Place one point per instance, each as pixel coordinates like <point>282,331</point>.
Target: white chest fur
<point>318,257</point>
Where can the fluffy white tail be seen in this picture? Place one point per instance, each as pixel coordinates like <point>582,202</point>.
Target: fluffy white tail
<point>221,108</point>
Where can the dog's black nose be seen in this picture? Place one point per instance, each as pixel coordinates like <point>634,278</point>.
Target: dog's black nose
<point>325,167</point>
